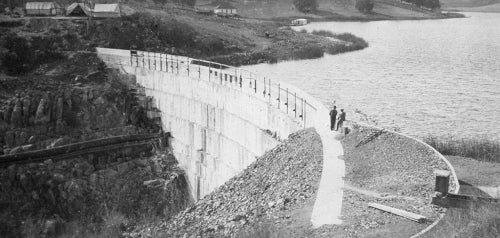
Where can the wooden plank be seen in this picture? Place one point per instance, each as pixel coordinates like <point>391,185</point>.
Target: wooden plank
<point>408,215</point>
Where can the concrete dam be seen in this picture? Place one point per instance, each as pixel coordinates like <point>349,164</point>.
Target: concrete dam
<point>222,118</point>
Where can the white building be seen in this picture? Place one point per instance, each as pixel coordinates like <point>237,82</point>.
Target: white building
<point>106,11</point>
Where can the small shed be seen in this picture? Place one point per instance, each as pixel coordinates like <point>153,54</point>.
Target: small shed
<point>78,10</point>
<point>225,9</point>
<point>106,11</point>
<point>299,22</point>
<point>43,9</point>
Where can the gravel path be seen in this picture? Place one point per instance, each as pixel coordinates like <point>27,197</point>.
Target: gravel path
<point>396,171</point>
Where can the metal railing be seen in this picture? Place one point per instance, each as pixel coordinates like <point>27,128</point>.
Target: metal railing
<point>282,97</point>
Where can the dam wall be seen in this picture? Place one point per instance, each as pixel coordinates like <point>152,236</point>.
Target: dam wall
<point>221,118</point>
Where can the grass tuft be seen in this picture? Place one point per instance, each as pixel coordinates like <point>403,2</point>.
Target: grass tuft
<point>481,149</point>
<point>479,220</point>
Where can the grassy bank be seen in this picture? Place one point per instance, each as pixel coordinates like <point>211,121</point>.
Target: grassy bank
<point>478,148</point>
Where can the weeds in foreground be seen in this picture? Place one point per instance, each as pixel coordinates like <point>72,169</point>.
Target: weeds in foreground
<point>479,220</point>
<point>481,149</point>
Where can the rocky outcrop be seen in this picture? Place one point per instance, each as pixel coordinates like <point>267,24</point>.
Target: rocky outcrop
<point>79,189</point>
<point>38,118</point>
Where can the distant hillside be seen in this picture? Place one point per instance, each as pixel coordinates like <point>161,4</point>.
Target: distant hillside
<point>488,8</point>
<point>467,3</point>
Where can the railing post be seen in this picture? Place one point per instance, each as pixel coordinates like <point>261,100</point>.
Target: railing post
<point>143,62</point>
<point>172,63</point>
<point>295,104</point>
<point>220,73</point>
<point>302,108</point>
<point>149,62</point>
<point>305,111</point>
<point>161,64</point>
<point>255,85</point>
<point>264,92</point>
<point>279,94</point>
<point>177,63</point>
<point>188,66</point>
<point>286,101</point>
<point>199,72</point>
<point>241,81</point>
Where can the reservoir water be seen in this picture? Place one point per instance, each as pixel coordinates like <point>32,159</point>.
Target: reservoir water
<point>426,77</point>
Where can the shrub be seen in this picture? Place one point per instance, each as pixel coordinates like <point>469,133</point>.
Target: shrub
<point>480,149</point>
<point>364,6</point>
<point>309,52</point>
<point>305,5</point>
<point>354,42</point>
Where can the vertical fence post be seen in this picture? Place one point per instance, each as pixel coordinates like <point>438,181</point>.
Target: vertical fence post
<point>264,92</point>
<point>177,63</point>
<point>286,101</point>
<point>143,62</point>
<point>188,65</point>
<point>302,108</point>
<point>295,104</point>
<point>199,72</point>
<point>220,73</point>
<point>269,93</point>
<point>279,94</point>
<point>172,63</point>
<point>241,81</point>
<point>255,85</point>
<point>149,62</point>
<point>305,112</point>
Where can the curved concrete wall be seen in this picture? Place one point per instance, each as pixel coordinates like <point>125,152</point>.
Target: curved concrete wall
<point>221,117</point>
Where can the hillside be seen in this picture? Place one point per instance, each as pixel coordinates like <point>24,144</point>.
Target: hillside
<point>466,3</point>
<point>487,8</point>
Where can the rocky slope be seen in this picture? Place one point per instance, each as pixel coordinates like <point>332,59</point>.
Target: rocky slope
<point>278,189</point>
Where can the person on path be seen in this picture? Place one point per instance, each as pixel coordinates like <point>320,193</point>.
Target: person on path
<point>333,117</point>
<point>341,119</point>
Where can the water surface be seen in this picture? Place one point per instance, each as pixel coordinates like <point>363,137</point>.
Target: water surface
<point>439,77</point>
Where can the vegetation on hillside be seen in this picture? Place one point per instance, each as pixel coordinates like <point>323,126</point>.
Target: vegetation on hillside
<point>306,5</point>
<point>432,4</point>
<point>480,149</point>
<point>364,6</point>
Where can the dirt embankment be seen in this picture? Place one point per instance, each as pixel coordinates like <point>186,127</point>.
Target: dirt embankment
<point>274,194</point>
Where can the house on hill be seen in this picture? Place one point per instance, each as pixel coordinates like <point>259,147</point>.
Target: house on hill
<point>106,11</point>
<point>218,8</point>
<point>225,9</point>
<point>43,9</point>
<point>78,10</point>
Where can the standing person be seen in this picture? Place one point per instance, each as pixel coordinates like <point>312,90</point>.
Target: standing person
<point>341,119</point>
<point>333,117</point>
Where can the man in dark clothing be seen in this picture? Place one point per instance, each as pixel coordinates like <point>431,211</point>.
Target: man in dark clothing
<point>333,116</point>
<point>341,119</point>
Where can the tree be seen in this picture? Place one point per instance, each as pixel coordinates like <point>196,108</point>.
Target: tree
<point>432,4</point>
<point>305,5</point>
<point>364,6</point>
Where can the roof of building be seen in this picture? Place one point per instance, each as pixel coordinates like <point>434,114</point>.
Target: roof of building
<point>224,5</point>
<point>41,5</point>
<point>217,5</point>
<point>106,8</point>
<point>73,6</point>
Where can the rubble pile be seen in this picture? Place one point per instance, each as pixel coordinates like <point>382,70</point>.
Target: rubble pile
<point>284,179</point>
